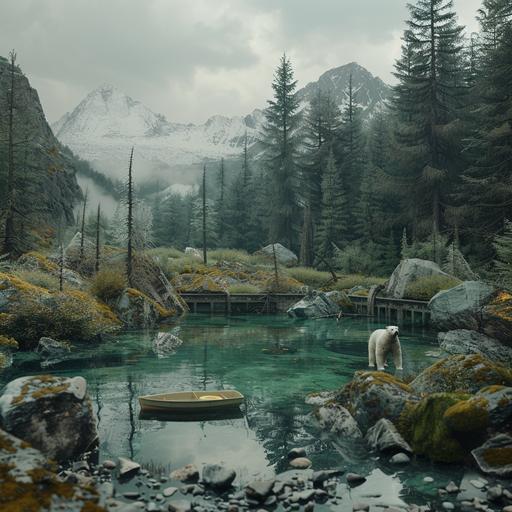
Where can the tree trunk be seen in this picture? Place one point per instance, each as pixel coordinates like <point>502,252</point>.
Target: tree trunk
<point>129,224</point>
<point>205,255</point>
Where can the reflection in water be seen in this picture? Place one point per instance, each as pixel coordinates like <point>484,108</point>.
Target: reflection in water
<point>226,353</point>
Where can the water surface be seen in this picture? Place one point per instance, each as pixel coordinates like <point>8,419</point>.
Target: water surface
<point>230,353</point>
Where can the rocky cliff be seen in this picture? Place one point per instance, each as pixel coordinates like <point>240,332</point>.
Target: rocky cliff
<point>46,186</point>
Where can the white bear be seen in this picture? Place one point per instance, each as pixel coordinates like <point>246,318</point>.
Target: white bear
<point>380,344</point>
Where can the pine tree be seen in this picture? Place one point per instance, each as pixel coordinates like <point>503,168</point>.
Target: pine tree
<point>221,206</point>
<point>281,142</point>
<point>503,262</point>
<point>98,248</point>
<point>333,225</point>
<point>129,223</point>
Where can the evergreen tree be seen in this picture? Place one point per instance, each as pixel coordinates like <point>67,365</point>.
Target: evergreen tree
<point>221,206</point>
<point>281,144</point>
<point>333,225</point>
<point>503,262</point>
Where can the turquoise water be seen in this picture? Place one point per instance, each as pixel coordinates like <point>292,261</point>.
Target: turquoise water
<point>220,352</point>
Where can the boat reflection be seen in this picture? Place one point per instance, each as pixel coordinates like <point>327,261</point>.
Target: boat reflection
<point>209,415</point>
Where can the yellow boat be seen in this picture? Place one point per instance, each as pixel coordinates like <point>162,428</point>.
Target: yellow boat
<point>191,401</point>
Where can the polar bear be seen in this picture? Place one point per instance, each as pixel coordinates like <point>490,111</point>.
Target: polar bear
<point>380,344</point>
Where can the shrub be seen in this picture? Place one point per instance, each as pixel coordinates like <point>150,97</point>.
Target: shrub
<point>243,288</point>
<point>426,287</point>
<point>64,316</point>
<point>39,278</point>
<point>161,254</point>
<point>183,265</point>
<point>108,284</point>
<point>309,276</point>
<point>348,281</point>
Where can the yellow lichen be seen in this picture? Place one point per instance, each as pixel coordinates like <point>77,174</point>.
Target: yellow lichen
<point>42,261</point>
<point>498,456</point>
<point>8,342</point>
<point>468,415</point>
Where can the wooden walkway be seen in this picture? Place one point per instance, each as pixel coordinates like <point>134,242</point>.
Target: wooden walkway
<point>389,311</point>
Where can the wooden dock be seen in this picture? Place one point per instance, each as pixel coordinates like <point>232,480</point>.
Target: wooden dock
<point>386,310</point>
<point>393,311</point>
<point>240,303</point>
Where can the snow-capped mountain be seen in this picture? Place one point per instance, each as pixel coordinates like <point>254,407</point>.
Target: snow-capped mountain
<point>104,126</point>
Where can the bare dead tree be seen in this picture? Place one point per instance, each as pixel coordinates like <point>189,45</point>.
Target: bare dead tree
<point>98,223</point>
<point>205,255</point>
<point>82,228</point>
<point>129,224</point>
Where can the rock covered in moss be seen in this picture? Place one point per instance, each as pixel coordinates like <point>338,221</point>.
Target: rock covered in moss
<point>494,457</point>
<point>315,305</point>
<point>28,482</point>
<point>497,317</point>
<point>136,310</point>
<point>461,373</point>
<point>425,429</point>
<point>54,414</point>
<point>498,401</point>
<point>371,396</point>
<point>50,348</point>
<point>336,419</point>
<point>385,438</point>
<point>463,341</point>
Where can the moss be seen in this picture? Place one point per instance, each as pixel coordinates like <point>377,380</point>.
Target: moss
<point>498,456</point>
<point>163,312</point>
<point>468,415</point>
<point>42,261</point>
<point>12,281</point>
<point>492,389</point>
<point>8,342</point>
<point>424,288</point>
<point>381,378</point>
<point>423,425</point>
<point>51,387</point>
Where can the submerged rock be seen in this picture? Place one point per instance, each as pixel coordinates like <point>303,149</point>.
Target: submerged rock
<point>384,437</point>
<point>54,414</point>
<point>217,476</point>
<point>494,457</point>
<point>50,348</point>
<point>407,272</point>
<point>336,419</point>
<point>283,255</point>
<point>465,342</point>
<point>461,373</point>
<point>314,305</point>
<point>371,396</point>
<point>165,344</point>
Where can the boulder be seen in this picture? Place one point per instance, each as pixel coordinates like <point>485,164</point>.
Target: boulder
<point>460,307</point>
<point>54,414</point>
<point>259,489</point>
<point>136,310</point>
<point>461,373</point>
<point>497,317</point>
<point>192,251</point>
<point>217,476</point>
<point>188,473</point>
<point>498,404</point>
<point>407,272</point>
<point>199,283</point>
<point>384,437</point>
<point>463,341</point>
<point>315,305</point>
<point>336,419</point>
<point>28,481</point>
<point>127,467</point>
<point>165,344</point>
<point>49,348</point>
<point>371,396</point>
<point>283,255</point>
<point>494,457</point>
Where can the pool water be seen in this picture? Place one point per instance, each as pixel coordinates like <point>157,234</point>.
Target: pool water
<point>236,353</point>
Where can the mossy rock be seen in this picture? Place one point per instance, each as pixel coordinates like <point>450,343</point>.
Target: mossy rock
<point>497,317</point>
<point>494,457</point>
<point>466,373</point>
<point>468,415</point>
<point>372,395</point>
<point>425,428</point>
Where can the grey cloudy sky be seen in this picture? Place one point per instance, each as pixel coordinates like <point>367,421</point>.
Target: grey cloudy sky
<point>190,59</point>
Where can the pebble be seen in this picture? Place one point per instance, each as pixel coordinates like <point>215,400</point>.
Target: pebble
<point>186,473</point>
<point>400,458</point>
<point>452,488</point>
<point>300,463</point>
<point>295,453</point>
<point>428,479</point>
<point>360,507</point>
<point>169,491</point>
<point>448,505</point>
<point>508,508</point>
<point>131,495</point>
<point>355,479</point>
<point>477,483</point>
<point>309,507</point>
<point>495,493</point>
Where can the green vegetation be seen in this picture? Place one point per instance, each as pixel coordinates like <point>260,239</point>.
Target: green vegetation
<point>108,284</point>
<point>425,288</point>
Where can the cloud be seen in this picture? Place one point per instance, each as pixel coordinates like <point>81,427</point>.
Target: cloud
<point>190,60</point>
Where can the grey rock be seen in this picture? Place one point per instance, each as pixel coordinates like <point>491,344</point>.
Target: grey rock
<point>109,464</point>
<point>192,251</point>
<point>296,452</point>
<point>62,422</point>
<point>50,348</point>
<point>131,495</point>
<point>283,255</point>
<point>180,506</point>
<point>452,488</point>
<point>165,344</point>
<point>127,467</point>
<point>188,473</point>
<point>498,442</point>
<point>354,479</point>
<point>448,505</point>
<point>407,272</point>
<point>259,489</point>
<point>300,463</point>
<point>400,458</point>
<point>169,491</point>
<point>319,399</point>
<point>460,307</point>
<point>360,507</point>
<point>495,493</point>
<point>463,341</point>
<point>217,476</point>
<point>384,437</point>
<point>336,419</point>
<point>319,477</point>
<point>314,305</point>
